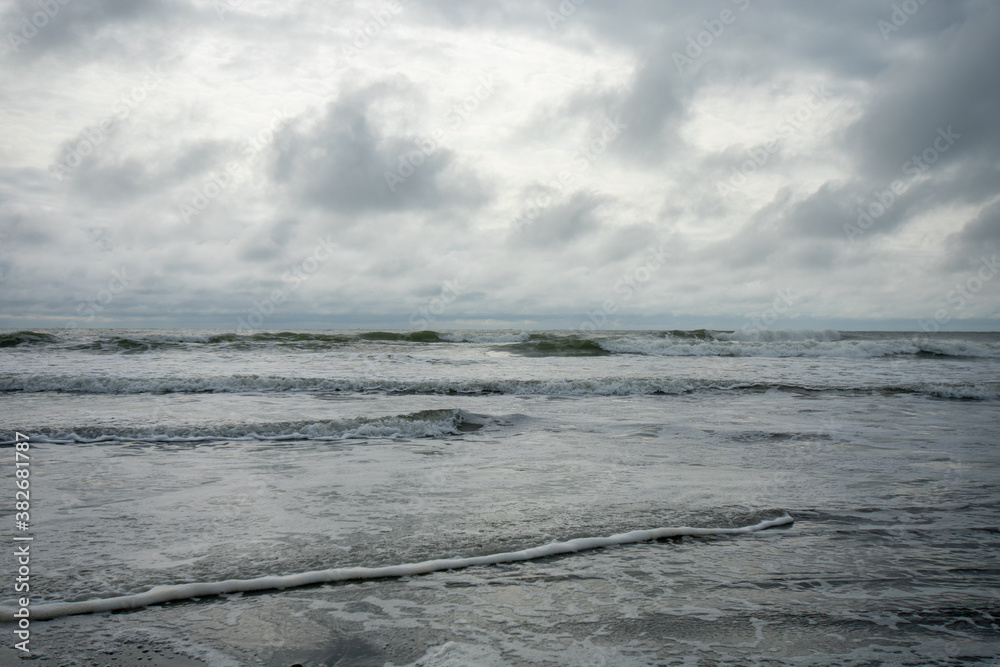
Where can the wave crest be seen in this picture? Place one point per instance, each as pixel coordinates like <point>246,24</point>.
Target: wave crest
<point>606,386</point>
<point>26,338</point>
<point>161,594</point>
<point>423,424</point>
<point>779,335</point>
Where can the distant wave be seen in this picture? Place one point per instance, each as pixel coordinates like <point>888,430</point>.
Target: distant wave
<point>693,343</point>
<point>151,342</point>
<point>485,337</point>
<point>796,344</point>
<point>609,386</point>
<point>394,336</point>
<point>706,343</point>
<point>782,335</point>
<point>540,345</point>
<point>160,341</point>
<point>423,424</point>
<point>161,594</point>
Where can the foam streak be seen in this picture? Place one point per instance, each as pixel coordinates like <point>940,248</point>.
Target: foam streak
<point>161,594</point>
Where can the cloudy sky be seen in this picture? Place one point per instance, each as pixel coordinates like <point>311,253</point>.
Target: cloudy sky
<point>521,163</point>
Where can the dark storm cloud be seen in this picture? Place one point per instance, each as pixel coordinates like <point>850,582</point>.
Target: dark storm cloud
<point>824,212</point>
<point>561,224</point>
<point>346,163</point>
<point>752,45</point>
<point>951,82</point>
<point>96,28</point>
<point>927,125</point>
<point>110,176</point>
<point>22,224</point>
<point>862,209</point>
<point>624,243</point>
<point>653,110</point>
<point>978,238</point>
<point>757,240</point>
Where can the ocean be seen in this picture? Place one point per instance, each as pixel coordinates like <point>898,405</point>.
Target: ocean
<point>431,498</point>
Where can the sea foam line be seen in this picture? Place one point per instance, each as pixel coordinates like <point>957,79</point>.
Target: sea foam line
<point>161,594</point>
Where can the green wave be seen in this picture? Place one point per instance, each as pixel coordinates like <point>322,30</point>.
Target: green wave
<point>542,345</point>
<point>287,337</point>
<point>26,338</point>
<point>246,341</point>
<point>127,345</point>
<point>695,334</point>
<point>414,337</point>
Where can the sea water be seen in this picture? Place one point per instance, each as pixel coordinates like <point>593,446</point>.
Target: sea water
<point>165,463</point>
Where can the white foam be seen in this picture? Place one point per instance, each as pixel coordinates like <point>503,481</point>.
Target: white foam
<point>971,392</point>
<point>791,344</point>
<point>607,386</point>
<point>161,594</point>
<point>427,424</point>
<point>783,335</point>
<point>494,338</point>
<point>458,654</point>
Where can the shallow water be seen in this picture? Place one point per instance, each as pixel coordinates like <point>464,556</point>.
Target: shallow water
<point>286,454</point>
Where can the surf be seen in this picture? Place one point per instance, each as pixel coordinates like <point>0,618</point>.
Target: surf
<point>171,593</point>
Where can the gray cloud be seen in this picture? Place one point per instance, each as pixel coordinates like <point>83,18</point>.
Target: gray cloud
<point>96,29</point>
<point>978,238</point>
<point>345,163</point>
<point>370,157</point>
<point>561,224</point>
<point>951,84</point>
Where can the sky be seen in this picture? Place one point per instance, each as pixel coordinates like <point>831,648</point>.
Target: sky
<point>515,164</point>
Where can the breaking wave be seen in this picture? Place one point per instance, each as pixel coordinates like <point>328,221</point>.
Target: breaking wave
<point>487,337</point>
<point>423,424</point>
<point>541,345</point>
<point>782,335</point>
<point>825,343</point>
<point>394,336</point>
<point>26,338</point>
<point>607,386</point>
<point>697,342</point>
